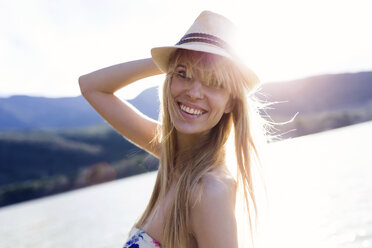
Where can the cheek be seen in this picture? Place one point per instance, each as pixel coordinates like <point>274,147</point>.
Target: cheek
<point>220,101</point>
<point>175,88</point>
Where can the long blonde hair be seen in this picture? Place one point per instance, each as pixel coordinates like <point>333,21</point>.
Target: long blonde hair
<point>209,153</point>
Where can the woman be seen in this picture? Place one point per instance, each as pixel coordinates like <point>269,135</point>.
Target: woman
<point>206,96</point>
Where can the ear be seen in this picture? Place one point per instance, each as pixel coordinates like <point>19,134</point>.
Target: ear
<point>229,106</point>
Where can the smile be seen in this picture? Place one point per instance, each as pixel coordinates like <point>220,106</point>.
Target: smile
<point>194,112</point>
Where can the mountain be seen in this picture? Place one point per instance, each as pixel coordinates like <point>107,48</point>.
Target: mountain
<point>319,103</point>
<point>328,93</point>
<point>320,93</point>
<point>148,102</point>
<point>36,163</point>
<point>26,112</point>
<point>53,145</point>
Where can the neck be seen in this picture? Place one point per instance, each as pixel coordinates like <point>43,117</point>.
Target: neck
<point>185,149</point>
<point>186,142</point>
<point>188,146</point>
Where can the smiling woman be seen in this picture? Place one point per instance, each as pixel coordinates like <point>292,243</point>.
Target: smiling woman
<point>201,99</point>
<point>207,97</point>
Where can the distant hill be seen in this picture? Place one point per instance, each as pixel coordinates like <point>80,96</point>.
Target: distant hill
<point>315,95</point>
<point>322,102</point>
<point>321,93</point>
<point>28,113</point>
<point>52,145</point>
<point>36,163</point>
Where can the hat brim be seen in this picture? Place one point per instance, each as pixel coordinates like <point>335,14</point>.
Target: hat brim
<point>160,56</point>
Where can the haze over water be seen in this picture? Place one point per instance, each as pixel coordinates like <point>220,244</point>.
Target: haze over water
<point>319,188</point>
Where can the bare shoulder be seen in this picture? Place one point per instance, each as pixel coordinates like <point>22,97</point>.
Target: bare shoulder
<point>213,213</point>
<point>219,185</point>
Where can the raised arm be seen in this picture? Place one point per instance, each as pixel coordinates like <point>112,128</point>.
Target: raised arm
<point>98,89</point>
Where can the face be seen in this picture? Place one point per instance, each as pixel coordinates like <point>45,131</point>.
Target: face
<point>199,107</point>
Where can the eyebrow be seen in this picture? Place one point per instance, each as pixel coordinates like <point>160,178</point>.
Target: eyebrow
<point>183,66</point>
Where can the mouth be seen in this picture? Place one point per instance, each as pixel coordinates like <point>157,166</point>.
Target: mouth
<point>190,111</point>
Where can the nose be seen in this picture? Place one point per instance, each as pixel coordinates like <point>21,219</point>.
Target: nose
<point>195,89</point>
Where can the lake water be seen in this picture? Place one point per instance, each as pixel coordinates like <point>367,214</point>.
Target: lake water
<point>319,195</point>
<point>321,190</point>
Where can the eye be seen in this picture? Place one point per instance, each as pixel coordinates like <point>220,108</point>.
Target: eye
<point>182,74</point>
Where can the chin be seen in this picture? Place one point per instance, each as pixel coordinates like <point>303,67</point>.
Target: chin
<point>191,130</point>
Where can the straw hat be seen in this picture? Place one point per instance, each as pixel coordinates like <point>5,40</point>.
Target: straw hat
<point>211,33</point>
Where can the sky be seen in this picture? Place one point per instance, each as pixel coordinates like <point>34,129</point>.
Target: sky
<point>46,45</point>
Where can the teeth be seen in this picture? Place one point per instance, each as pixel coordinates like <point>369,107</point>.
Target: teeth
<point>190,110</point>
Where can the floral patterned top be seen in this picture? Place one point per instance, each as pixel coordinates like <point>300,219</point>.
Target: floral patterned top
<point>140,239</point>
